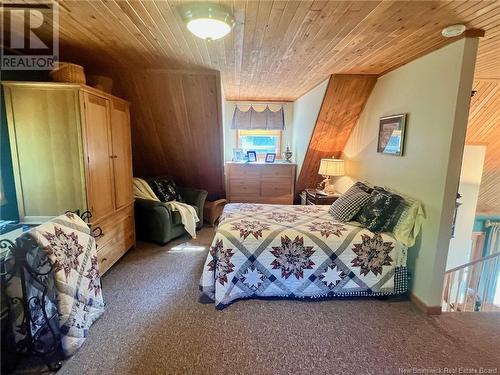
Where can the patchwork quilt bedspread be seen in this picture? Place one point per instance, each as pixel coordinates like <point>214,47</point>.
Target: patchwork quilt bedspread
<point>271,251</point>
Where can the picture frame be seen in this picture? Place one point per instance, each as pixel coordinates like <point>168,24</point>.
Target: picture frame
<point>252,156</point>
<point>238,154</point>
<point>391,135</point>
<point>270,157</point>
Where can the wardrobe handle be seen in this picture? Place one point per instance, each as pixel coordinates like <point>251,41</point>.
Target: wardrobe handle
<point>113,156</point>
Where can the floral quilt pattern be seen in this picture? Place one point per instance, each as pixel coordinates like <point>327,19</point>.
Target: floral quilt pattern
<point>72,252</point>
<point>292,257</point>
<point>269,251</point>
<point>372,254</point>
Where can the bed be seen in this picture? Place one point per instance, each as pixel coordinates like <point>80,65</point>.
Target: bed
<point>298,252</point>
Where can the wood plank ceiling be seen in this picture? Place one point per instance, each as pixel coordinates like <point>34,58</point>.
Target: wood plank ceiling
<point>278,49</point>
<point>484,129</point>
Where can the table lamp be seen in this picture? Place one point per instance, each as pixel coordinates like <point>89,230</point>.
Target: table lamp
<point>330,168</point>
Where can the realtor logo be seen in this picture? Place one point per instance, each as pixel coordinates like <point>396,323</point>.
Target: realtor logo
<point>30,35</point>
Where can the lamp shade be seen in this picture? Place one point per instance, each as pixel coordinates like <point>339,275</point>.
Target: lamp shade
<point>331,167</point>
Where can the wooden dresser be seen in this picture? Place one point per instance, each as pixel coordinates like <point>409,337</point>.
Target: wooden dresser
<point>71,150</point>
<point>260,182</point>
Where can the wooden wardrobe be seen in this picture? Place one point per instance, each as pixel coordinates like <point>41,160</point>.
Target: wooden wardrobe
<point>71,150</point>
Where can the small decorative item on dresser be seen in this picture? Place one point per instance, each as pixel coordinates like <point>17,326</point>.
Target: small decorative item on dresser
<point>238,154</point>
<point>315,197</point>
<point>252,156</point>
<point>270,157</point>
<point>288,154</point>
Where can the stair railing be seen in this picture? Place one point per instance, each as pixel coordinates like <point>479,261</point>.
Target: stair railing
<point>472,286</point>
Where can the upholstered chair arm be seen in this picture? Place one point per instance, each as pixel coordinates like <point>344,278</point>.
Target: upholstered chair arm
<point>153,221</point>
<point>196,198</point>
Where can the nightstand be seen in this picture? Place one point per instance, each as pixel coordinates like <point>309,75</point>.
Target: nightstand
<point>311,197</point>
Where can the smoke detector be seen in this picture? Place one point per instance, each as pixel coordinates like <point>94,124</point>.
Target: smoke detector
<point>453,30</point>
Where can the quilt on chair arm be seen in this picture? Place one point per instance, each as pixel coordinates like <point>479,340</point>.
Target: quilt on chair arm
<point>271,251</point>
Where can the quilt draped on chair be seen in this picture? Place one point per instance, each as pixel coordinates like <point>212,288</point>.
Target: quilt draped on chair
<point>71,249</point>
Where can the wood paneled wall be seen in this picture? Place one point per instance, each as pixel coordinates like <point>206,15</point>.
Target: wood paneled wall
<point>177,126</point>
<point>345,98</point>
<point>484,128</point>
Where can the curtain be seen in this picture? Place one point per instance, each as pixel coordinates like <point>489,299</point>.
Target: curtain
<point>492,266</point>
<point>494,240</point>
<point>258,120</point>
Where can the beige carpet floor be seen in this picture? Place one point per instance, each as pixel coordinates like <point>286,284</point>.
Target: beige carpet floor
<point>154,324</point>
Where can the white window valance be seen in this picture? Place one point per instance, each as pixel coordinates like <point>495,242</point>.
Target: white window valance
<point>254,118</point>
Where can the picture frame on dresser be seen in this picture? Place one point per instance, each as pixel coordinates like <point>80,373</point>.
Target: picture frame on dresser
<point>238,154</point>
<point>270,157</point>
<point>252,156</point>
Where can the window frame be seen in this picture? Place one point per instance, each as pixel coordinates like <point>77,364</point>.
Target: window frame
<point>261,155</point>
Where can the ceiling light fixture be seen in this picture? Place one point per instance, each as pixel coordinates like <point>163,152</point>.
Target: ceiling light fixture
<point>453,31</point>
<point>208,21</point>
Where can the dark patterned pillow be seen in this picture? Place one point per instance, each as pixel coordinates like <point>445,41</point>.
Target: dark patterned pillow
<point>165,189</point>
<point>380,213</point>
<point>395,215</point>
<point>364,187</point>
<point>349,203</point>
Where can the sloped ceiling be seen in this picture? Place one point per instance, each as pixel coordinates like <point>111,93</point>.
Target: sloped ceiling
<point>344,100</point>
<point>484,129</point>
<point>278,49</point>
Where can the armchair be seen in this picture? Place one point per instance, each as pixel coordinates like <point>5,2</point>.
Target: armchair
<point>154,222</point>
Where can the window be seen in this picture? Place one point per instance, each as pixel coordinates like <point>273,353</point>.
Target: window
<point>260,141</point>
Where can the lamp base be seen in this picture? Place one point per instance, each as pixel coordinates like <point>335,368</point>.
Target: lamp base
<point>327,187</point>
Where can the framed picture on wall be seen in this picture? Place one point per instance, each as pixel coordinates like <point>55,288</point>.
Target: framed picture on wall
<point>252,156</point>
<point>391,134</point>
<point>270,157</point>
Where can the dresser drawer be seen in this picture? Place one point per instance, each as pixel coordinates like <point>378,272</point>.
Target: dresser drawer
<point>109,254</point>
<point>246,171</point>
<point>115,224</point>
<point>246,199</point>
<point>114,249</point>
<point>244,187</point>
<point>276,188</point>
<point>277,171</point>
<point>118,236</point>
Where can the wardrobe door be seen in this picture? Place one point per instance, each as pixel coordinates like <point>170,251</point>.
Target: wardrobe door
<point>99,155</point>
<point>122,153</point>
<point>47,151</point>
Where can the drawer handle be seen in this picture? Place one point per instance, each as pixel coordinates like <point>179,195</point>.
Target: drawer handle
<point>97,232</point>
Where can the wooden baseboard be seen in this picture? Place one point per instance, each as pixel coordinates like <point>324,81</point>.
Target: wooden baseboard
<point>429,310</point>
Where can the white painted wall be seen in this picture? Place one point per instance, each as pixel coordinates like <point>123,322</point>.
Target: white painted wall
<point>305,112</point>
<point>435,92</point>
<point>470,180</point>
<point>230,140</point>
